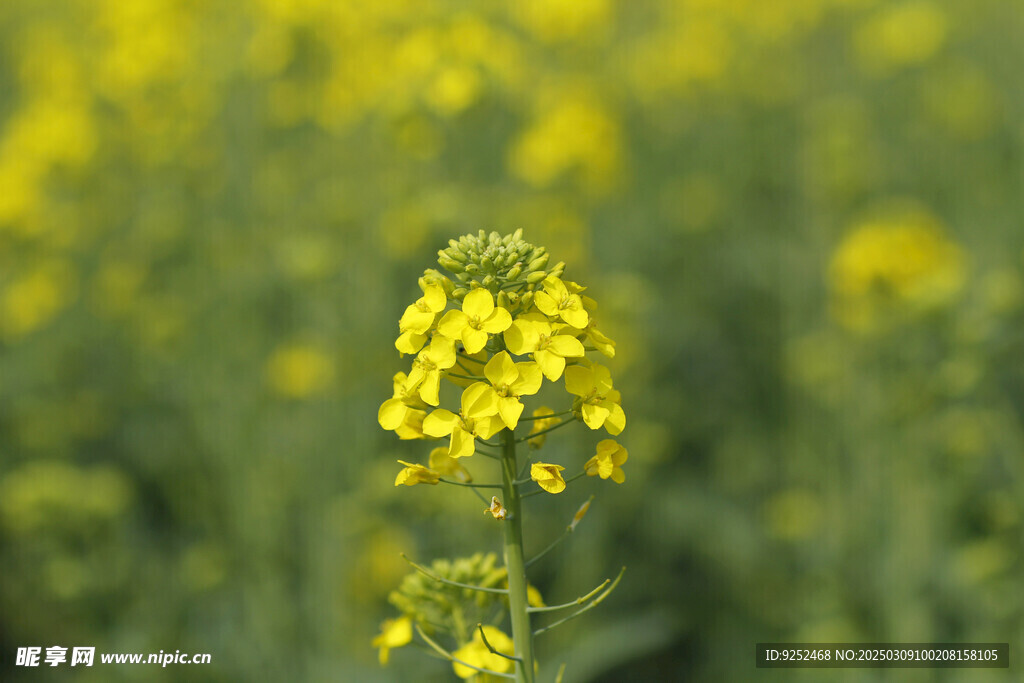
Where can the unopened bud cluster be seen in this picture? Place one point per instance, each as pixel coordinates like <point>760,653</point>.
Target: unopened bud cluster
<point>496,262</point>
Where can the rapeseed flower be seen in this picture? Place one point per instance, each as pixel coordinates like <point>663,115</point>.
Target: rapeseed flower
<point>403,413</point>
<point>446,465</point>
<point>509,381</point>
<point>607,463</point>
<point>548,476</point>
<point>478,318</point>
<point>599,401</point>
<point>477,399</point>
<point>426,369</point>
<point>556,301</point>
<point>413,474</point>
<point>532,333</point>
<point>419,318</point>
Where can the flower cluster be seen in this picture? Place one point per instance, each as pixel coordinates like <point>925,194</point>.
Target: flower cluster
<point>496,329</point>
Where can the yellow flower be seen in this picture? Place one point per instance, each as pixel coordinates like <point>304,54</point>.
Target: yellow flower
<point>426,369</point>
<point>478,399</point>
<point>393,633</point>
<point>447,465</point>
<point>548,476</point>
<point>477,654</point>
<point>541,425</point>
<point>532,333</point>
<point>478,318</point>
<point>508,381</point>
<point>413,474</point>
<point>556,301</point>
<point>600,402</point>
<point>419,318</point>
<point>608,461</point>
<point>403,413</point>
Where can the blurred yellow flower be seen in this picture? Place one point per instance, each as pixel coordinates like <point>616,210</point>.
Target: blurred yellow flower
<point>901,34</point>
<point>413,474</point>
<point>902,259</point>
<point>477,654</point>
<point>35,298</point>
<point>393,633</point>
<point>299,370</point>
<point>573,134</point>
<point>542,425</point>
<point>446,465</point>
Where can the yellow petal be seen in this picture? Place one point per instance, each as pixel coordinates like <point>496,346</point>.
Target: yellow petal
<point>575,315</point>
<point>618,476</point>
<point>500,369</point>
<point>410,342</point>
<point>602,379</point>
<point>441,352</point>
<point>434,298</point>
<point>521,337</point>
<point>417,320</point>
<point>488,427</point>
<point>473,339</point>
<point>510,409</point>
<point>462,444</point>
<point>594,416</point>
<point>616,420</point>
<point>430,387</point>
<point>451,324</point>
<point>579,380</point>
<point>529,380</point>
<point>546,304</point>
<point>550,364</point>
<point>478,304</point>
<point>498,321</point>
<point>392,414</point>
<point>439,423</point>
<point>565,346</point>
<point>479,400</point>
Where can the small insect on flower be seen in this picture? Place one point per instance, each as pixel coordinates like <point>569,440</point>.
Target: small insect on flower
<point>497,509</point>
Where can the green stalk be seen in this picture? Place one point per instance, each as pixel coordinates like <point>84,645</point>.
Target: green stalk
<point>514,562</point>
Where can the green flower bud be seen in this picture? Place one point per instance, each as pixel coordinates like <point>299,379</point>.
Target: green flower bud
<point>486,263</point>
<point>473,269</point>
<point>534,278</point>
<point>489,281</point>
<point>538,263</point>
<point>558,269</point>
<point>514,272</point>
<point>527,299</point>
<point>460,292</point>
<point>449,263</point>
<point>503,300</point>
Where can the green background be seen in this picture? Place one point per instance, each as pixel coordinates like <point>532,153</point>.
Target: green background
<point>801,220</point>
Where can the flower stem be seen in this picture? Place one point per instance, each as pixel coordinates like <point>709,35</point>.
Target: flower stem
<point>515,564</point>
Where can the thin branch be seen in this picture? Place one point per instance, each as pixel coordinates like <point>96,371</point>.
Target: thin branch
<point>483,636</point>
<point>545,431</point>
<point>475,378</point>
<point>568,530</point>
<point>452,658</point>
<point>595,603</point>
<point>577,601</point>
<point>472,486</point>
<point>426,572</point>
<point>545,417</point>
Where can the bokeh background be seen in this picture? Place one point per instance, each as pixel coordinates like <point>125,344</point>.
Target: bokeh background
<point>801,219</point>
